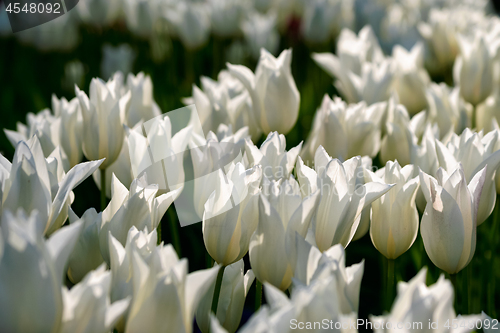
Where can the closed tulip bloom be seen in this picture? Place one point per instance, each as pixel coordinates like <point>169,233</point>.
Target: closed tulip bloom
<point>276,162</point>
<point>103,115</point>
<point>32,182</point>
<point>394,218</point>
<point>488,112</point>
<point>474,153</point>
<point>321,20</point>
<point>141,242</point>
<point>139,207</point>
<point>234,290</point>
<point>165,295</point>
<point>260,32</point>
<point>87,307</point>
<point>430,304</point>
<point>86,255</point>
<point>396,142</point>
<point>226,16</point>
<point>71,125</point>
<point>31,273</point>
<point>281,215</point>
<point>448,227</point>
<point>411,78</point>
<point>473,69</point>
<point>140,16</point>
<point>275,97</point>
<point>191,22</point>
<point>345,130</point>
<point>231,214</point>
<point>342,199</point>
<point>142,104</point>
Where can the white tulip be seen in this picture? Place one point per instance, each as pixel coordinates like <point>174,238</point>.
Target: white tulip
<point>191,22</point>
<point>473,154</point>
<point>234,290</point>
<point>342,199</point>
<point>226,16</point>
<point>275,97</point>
<point>86,255</point>
<point>142,104</point>
<point>31,273</point>
<point>276,162</point>
<point>210,155</point>
<point>448,227</point>
<point>321,20</point>
<point>282,214</point>
<point>448,109</point>
<point>141,242</point>
<point>312,265</point>
<point>98,12</point>
<point>140,16</point>
<point>118,58</point>
<point>491,143</point>
<point>260,33</point>
<point>87,307</point>
<point>32,182</point>
<point>411,78</point>
<point>418,303</point>
<point>165,295</point>
<point>394,217</point>
<point>138,207</point>
<point>396,142</point>
<point>230,216</point>
<point>473,69</point>
<point>103,115</point>
<point>345,130</point>
<point>70,132</point>
<point>488,112</point>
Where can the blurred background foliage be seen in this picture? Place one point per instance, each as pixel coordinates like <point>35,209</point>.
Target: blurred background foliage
<point>29,77</point>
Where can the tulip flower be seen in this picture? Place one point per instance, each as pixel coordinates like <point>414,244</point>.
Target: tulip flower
<point>70,132</point>
<point>86,255</point>
<point>430,304</point>
<point>411,78</point>
<point>260,33</point>
<point>345,130</point>
<point>31,273</point>
<point>321,20</point>
<point>342,200</point>
<point>141,242</point>
<point>276,162</point>
<point>103,115</point>
<point>448,227</point>
<point>448,109</point>
<point>473,154</point>
<point>275,97</point>
<point>87,307</point>
<point>117,59</point>
<point>98,13</point>
<point>491,143</point>
<point>142,104</point>
<point>211,155</point>
<point>226,16</point>
<point>165,295</point>
<point>282,214</point>
<point>32,183</point>
<point>234,290</point>
<point>140,16</point>
<point>191,22</point>
<point>394,218</point>
<point>138,207</point>
<point>396,142</point>
<point>312,265</point>
<point>473,69</point>
<point>231,214</point>
<point>488,112</point>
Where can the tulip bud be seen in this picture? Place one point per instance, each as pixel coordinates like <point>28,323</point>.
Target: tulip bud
<point>275,97</point>
<point>103,115</point>
<point>448,226</point>
<point>394,219</point>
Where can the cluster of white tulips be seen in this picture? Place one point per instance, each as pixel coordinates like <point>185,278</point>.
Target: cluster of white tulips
<point>291,212</point>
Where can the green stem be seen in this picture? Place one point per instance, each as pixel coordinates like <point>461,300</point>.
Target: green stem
<point>453,279</point>
<point>103,189</point>
<point>491,279</point>
<point>258,295</point>
<point>465,292</point>
<point>390,282</point>
<point>218,285</point>
<point>174,231</point>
